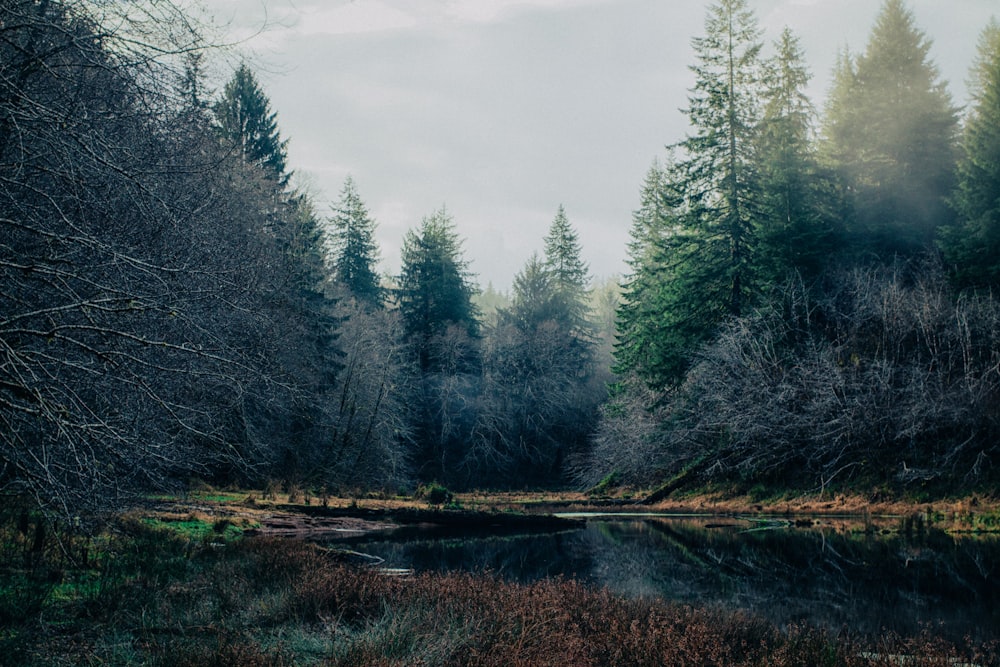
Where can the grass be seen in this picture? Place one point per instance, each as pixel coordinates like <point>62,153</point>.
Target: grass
<point>189,590</point>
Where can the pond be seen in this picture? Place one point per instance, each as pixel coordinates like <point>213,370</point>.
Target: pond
<point>836,575</point>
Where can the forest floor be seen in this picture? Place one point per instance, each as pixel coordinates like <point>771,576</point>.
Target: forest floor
<point>210,578</point>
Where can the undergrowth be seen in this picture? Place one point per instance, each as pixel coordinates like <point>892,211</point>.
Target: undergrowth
<point>148,593</point>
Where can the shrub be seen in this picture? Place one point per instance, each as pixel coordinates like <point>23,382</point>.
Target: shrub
<point>434,494</point>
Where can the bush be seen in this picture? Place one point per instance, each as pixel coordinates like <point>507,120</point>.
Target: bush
<point>434,494</point>
<point>881,375</point>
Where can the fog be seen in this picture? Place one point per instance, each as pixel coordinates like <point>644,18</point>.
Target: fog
<point>505,110</point>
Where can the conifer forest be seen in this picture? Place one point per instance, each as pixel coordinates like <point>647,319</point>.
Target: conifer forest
<point>811,293</point>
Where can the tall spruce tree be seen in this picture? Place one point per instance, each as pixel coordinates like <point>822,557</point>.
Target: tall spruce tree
<point>532,298</point>
<point>972,246</point>
<point>435,286</point>
<point>983,71</point>
<point>794,230</point>
<point>643,309</point>
<point>694,235</point>
<point>355,252</point>
<point>568,277</point>
<point>718,174</point>
<point>890,129</point>
<point>244,119</point>
<point>662,322</point>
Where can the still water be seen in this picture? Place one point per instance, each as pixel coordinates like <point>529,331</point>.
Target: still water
<point>836,575</point>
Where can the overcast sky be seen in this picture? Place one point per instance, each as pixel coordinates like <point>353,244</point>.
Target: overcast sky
<point>502,110</point>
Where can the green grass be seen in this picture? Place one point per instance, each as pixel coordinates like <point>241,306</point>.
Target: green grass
<point>195,529</point>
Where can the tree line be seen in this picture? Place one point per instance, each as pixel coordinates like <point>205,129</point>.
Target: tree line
<point>808,296</point>
<point>172,307</point>
<point>811,295</point>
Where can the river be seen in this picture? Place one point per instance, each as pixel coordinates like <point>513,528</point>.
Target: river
<point>836,574</point>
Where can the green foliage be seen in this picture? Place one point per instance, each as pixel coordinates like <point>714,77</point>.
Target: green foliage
<point>677,292</point>
<point>567,277</point>
<point>607,485</point>
<point>435,288</point>
<point>972,246</point>
<point>693,238</point>
<point>890,132</point>
<point>355,252</point>
<point>533,301</point>
<point>794,230</point>
<point>434,494</point>
<point>244,119</point>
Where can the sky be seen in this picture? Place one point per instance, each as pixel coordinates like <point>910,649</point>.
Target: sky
<point>503,110</point>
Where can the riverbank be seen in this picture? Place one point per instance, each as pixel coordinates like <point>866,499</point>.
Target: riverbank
<point>297,514</point>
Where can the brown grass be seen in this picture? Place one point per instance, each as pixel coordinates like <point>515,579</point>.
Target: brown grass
<point>267,602</point>
<point>463,619</point>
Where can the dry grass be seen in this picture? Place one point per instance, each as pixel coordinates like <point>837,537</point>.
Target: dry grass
<point>167,602</point>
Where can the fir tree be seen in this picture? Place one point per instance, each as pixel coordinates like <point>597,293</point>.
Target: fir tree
<point>435,286</point>
<point>972,246</point>
<point>793,231</point>
<point>693,240</point>
<point>532,298</point>
<point>244,119</point>
<point>890,129</point>
<point>355,252</point>
<point>639,315</point>
<point>567,276</point>
<point>718,174</point>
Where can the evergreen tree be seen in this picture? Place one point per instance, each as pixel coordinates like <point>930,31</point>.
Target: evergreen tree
<point>567,277</point>
<point>972,246</point>
<point>983,68</point>
<point>718,174</point>
<point>533,300</point>
<point>640,313</point>
<point>692,242</point>
<point>355,252</point>
<point>435,287</point>
<point>793,232</point>
<point>244,118</point>
<point>190,86</point>
<point>890,129</point>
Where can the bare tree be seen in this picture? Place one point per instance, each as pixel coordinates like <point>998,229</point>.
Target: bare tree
<point>881,373</point>
<point>370,441</point>
<point>141,316</point>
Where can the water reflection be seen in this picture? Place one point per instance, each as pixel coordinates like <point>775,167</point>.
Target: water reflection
<point>831,577</point>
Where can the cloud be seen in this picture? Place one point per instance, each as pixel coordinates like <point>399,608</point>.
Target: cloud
<point>289,18</point>
<point>489,11</point>
<point>356,17</point>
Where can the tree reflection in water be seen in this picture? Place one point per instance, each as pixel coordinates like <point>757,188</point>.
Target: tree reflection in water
<point>831,577</point>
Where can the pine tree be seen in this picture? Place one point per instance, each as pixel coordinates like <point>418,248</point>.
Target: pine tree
<point>890,129</point>
<point>639,318</point>
<point>435,286</point>
<point>532,298</point>
<point>983,68</point>
<point>718,174</point>
<point>355,252</point>
<point>793,232</point>
<point>972,246</point>
<point>244,119</point>
<point>190,86</point>
<point>568,276</point>
<point>693,240</point>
